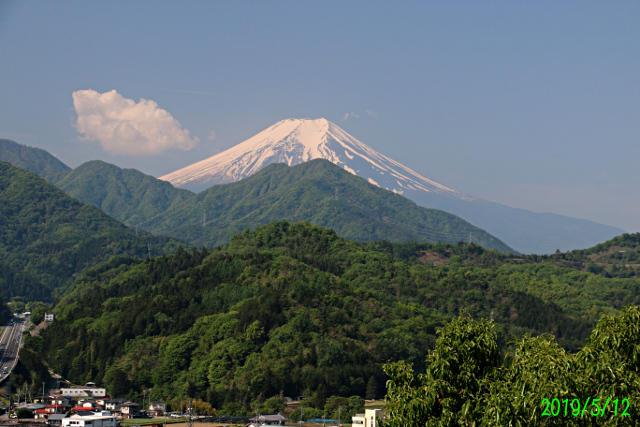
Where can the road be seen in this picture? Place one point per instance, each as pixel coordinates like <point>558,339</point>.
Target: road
<point>10,343</point>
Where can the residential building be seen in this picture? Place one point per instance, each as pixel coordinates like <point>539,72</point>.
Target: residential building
<point>56,419</point>
<point>90,419</point>
<point>89,390</point>
<point>48,317</point>
<point>157,408</point>
<point>129,410</point>
<point>115,404</point>
<point>269,420</point>
<point>368,419</point>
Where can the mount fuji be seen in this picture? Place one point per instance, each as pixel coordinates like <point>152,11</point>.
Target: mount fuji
<point>294,141</point>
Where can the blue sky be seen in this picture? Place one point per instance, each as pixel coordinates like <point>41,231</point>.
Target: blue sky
<point>530,104</point>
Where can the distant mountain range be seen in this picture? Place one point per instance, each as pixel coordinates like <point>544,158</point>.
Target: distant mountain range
<point>294,141</point>
<point>47,237</point>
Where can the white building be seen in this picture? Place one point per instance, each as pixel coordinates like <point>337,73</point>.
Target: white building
<point>95,419</point>
<point>368,419</point>
<point>48,317</point>
<point>89,390</point>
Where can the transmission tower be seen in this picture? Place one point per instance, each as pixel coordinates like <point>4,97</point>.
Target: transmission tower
<point>189,415</point>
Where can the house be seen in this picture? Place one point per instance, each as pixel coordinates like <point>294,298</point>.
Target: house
<point>368,419</point>
<point>102,402</point>
<point>268,420</point>
<point>48,317</point>
<point>90,419</point>
<point>115,404</point>
<point>129,410</point>
<point>57,409</point>
<point>56,419</point>
<point>157,408</point>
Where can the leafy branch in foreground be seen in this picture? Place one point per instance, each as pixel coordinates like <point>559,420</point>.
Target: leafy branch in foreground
<point>468,382</point>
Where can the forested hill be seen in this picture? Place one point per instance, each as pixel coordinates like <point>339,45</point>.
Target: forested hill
<point>48,237</point>
<point>294,308</point>
<point>128,195</point>
<point>318,192</point>
<point>35,160</point>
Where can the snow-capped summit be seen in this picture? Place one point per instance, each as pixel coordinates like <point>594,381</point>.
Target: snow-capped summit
<point>294,141</point>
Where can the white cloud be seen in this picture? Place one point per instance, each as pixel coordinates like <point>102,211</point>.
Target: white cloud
<point>372,113</point>
<point>123,126</point>
<point>347,116</point>
<point>212,136</point>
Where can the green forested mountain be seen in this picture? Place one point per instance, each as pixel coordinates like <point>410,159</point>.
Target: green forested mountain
<point>318,192</point>
<point>315,191</point>
<point>35,160</point>
<point>295,308</point>
<point>48,237</point>
<point>127,195</point>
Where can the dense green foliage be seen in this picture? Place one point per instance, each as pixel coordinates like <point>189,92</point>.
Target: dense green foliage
<point>316,191</point>
<point>468,382</point>
<point>5,312</point>
<point>125,194</point>
<point>294,308</point>
<point>30,372</point>
<point>47,237</point>
<point>34,160</point>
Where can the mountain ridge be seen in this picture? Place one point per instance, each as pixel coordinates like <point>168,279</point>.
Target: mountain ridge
<point>33,159</point>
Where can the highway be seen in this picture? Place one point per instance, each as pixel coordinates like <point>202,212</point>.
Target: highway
<point>10,343</point>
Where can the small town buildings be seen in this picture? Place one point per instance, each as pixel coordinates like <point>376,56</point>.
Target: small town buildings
<point>48,317</point>
<point>368,419</point>
<point>90,419</point>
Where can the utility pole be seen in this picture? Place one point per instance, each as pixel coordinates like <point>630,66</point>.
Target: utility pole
<point>149,248</point>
